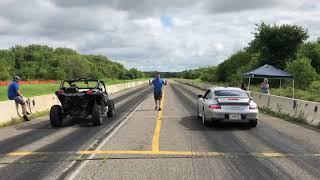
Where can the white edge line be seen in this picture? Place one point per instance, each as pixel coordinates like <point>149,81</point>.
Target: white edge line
<point>76,172</point>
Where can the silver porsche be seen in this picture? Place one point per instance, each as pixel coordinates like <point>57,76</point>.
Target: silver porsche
<point>227,104</point>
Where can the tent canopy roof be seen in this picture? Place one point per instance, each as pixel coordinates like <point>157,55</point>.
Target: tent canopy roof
<point>267,71</point>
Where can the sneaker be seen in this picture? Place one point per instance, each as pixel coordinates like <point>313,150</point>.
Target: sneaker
<point>159,109</point>
<point>25,117</point>
<point>27,113</point>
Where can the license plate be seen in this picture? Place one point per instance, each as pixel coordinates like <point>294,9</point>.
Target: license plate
<point>234,116</point>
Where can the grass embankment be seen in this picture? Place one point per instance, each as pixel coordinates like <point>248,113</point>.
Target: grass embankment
<point>31,90</point>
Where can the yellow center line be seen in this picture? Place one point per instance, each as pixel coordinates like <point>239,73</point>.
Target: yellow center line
<point>156,135</point>
<point>169,153</point>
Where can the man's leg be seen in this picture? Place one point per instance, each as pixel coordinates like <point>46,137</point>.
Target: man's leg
<point>160,103</point>
<point>22,102</point>
<point>17,108</point>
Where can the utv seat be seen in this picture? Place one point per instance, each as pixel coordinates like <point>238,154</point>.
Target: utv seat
<point>72,90</point>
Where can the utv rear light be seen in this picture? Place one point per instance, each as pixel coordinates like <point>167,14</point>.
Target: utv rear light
<point>59,92</point>
<point>253,106</point>
<point>89,92</point>
<point>214,106</point>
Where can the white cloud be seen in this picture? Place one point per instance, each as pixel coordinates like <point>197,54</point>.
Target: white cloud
<point>200,33</point>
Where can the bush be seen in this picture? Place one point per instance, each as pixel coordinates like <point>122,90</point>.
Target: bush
<point>314,87</point>
<point>303,72</point>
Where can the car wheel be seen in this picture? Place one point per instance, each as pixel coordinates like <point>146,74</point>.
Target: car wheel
<point>97,114</point>
<point>204,119</point>
<point>56,116</point>
<point>198,115</point>
<point>253,123</point>
<point>111,110</point>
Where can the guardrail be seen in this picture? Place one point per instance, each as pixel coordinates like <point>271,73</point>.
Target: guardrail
<point>8,111</point>
<point>307,111</point>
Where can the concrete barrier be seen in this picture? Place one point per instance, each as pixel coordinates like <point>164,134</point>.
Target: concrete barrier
<point>8,110</point>
<point>306,110</point>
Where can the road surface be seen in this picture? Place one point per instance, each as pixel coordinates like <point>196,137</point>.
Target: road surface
<point>141,143</point>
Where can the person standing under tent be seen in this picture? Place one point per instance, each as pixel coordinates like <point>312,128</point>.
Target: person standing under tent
<point>265,86</point>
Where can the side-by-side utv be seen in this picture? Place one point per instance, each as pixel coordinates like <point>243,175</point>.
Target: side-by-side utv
<point>82,98</point>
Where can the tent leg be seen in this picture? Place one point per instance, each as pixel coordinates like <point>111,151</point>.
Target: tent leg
<point>249,84</point>
<point>280,87</point>
<point>293,89</point>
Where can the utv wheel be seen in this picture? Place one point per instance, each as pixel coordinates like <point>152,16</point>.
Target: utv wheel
<point>56,116</point>
<point>97,114</point>
<point>253,123</point>
<point>111,110</point>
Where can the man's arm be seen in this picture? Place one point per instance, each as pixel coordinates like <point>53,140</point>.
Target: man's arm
<point>164,82</point>
<point>19,93</point>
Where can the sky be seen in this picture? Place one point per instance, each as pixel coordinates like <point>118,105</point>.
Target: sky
<point>150,35</point>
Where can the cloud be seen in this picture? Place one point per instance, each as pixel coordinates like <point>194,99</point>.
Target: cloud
<point>150,35</point>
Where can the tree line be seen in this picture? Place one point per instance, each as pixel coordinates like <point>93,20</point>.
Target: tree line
<point>283,46</point>
<point>46,63</point>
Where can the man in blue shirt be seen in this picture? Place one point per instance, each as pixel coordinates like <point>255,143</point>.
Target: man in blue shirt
<point>15,94</point>
<point>157,90</point>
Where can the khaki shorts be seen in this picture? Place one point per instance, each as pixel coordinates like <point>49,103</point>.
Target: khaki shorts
<point>19,100</point>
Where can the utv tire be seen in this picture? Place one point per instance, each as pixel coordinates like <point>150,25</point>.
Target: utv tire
<point>56,116</point>
<point>111,110</point>
<point>253,123</point>
<point>97,114</point>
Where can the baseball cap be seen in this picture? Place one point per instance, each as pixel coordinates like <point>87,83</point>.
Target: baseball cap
<point>16,78</point>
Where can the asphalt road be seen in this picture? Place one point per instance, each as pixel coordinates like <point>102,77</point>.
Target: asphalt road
<point>141,143</point>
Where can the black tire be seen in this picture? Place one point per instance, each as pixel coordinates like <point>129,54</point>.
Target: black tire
<point>97,114</point>
<point>111,110</point>
<point>204,119</point>
<point>253,123</point>
<point>56,116</point>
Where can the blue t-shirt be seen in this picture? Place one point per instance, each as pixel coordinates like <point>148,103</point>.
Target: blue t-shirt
<point>13,90</point>
<point>157,85</point>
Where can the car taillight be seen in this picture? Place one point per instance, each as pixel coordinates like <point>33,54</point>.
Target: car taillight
<point>90,92</point>
<point>59,92</point>
<point>214,106</point>
<point>253,106</point>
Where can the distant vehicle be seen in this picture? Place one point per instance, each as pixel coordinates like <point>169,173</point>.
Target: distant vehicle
<point>82,98</point>
<point>226,104</point>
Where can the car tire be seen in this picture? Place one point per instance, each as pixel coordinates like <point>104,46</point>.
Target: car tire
<point>253,123</point>
<point>204,119</point>
<point>198,115</point>
<point>56,116</point>
<point>97,114</point>
<point>111,110</point>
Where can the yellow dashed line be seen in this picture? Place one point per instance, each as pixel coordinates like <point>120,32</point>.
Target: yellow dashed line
<point>156,135</point>
<point>20,153</point>
<point>273,154</point>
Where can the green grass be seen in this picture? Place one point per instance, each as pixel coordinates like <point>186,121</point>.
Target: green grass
<point>287,92</point>
<point>20,120</point>
<point>31,90</point>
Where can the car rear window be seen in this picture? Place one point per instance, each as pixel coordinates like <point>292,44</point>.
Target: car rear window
<point>230,93</point>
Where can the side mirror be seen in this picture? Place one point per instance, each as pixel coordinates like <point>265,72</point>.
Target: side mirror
<point>200,96</point>
<point>251,98</point>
